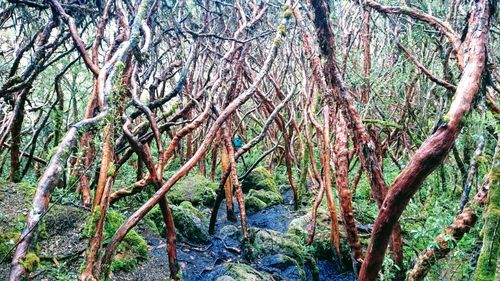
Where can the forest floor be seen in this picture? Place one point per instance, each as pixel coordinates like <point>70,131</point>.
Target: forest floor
<point>61,246</point>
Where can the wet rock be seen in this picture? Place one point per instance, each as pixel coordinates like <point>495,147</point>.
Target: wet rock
<point>229,230</point>
<point>196,189</point>
<point>283,266</point>
<point>258,200</point>
<point>191,224</point>
<point>260,179</point>
<point>241,272</point>
<point>321,247</point>
<point>263,244</point>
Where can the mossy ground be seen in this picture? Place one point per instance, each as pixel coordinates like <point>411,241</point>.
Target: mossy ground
<point>131,251</point>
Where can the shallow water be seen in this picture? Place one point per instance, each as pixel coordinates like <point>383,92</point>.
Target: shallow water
<point>205,262</point>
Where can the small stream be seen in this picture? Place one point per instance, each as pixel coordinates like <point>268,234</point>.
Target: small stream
<point>204,262</point>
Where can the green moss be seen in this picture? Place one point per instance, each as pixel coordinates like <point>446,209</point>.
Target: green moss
<point>190,223</point>
<point>196,189</point>
<point>132,250</point>
<point>30,262</point>
<point>7,241</point>
<point>487,261</point>
<point>446,118</point>
<point>254,204</point>
<point>111,169</point>
<point>259,178</point>
<point>242,272</point>
<point>28,189</point>
<point>260,199</point>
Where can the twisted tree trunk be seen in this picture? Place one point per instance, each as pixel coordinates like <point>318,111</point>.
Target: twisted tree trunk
<point>432,152</point>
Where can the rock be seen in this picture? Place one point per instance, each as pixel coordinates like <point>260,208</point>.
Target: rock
<point>242,272</point>
<point>196,189</point>
<point>321,246</point>
<point>190,224</point>
<point>261,179</point>
<point>257,200</point>
<point>283,266</point>
<point>275,248</point>
<point>229,230</point>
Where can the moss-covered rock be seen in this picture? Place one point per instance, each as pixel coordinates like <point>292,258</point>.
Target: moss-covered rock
<point>263,243</point>
<point>321,246</point>
<point>196,189</point>
<point>261,179</point>
<point>190,223</point>
<point>257,200</point>
<point>131,251</point>
<point>284,266</point>
<point>242,272</point>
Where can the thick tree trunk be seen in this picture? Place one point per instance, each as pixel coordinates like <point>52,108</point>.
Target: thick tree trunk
<point>342,179</point>
<point>432,152</point>
<point>15,137</point>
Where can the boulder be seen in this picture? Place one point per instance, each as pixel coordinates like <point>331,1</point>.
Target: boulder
<point>260,179</point>
<point>190,223</point>
<point>321,246</point>
<point>257,200</point>
<point>195,189</point>
<point>242,272</point>
<point>273,250</point>
<point>283,266</point>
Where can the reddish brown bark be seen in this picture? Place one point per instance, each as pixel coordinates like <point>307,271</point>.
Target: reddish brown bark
<point>342,181</point>
<point>340,94</point>
<point>330,201</point>
<point>235,103</point>
<point>15,133</point>
<point>235,183</point>
<point>429,156</point>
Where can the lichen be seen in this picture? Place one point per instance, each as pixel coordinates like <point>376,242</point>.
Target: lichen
<point>282,29</point>
<point>487,261</point>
